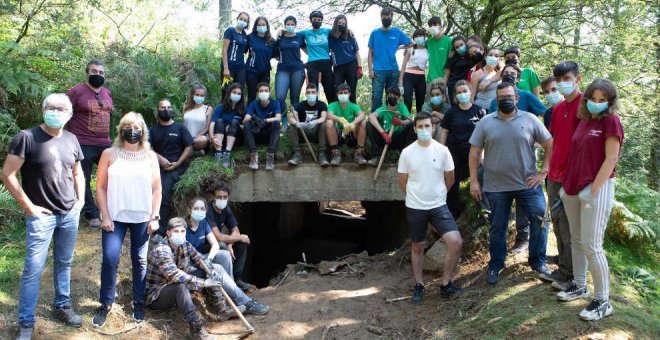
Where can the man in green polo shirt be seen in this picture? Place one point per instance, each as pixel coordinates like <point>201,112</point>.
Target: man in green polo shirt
<point>438,47</point>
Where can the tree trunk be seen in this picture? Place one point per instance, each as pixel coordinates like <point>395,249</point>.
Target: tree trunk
<point>654,161</point>
<point>224,11</point>
<point>576,34</point>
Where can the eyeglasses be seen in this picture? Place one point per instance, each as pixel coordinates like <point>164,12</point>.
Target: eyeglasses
<point>55,108</point>
<point>98,100</point>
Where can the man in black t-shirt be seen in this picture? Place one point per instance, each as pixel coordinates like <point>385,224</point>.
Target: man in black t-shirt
<point>52,193</point>
<point>309,115</point>
<point>173,145</point>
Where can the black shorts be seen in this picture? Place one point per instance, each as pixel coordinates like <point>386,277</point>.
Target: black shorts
<point>440,217</point>
<point>350,140</point>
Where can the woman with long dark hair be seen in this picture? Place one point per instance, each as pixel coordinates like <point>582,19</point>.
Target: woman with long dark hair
<point>411,77</point>
<point>261,49</point>
<point>226,122</point>
<point>345,55</point>
<point>234,47</point>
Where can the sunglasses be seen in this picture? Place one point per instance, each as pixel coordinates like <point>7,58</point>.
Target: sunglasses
<point>98,100</point>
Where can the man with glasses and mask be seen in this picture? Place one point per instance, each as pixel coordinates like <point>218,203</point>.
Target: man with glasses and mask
<point>92,106</point>
<point>506,138</point>
<point>51,193</point>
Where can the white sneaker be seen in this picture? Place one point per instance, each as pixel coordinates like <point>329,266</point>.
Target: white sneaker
<point>573,292</point>
<point>596,310</point>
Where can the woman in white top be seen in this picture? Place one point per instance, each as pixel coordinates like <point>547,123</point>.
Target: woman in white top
<point>197,117</point>
<point>411,78</point>
<point>128,193</point>
<point>483,83</point>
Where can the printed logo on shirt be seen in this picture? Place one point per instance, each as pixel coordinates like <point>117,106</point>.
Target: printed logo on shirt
<point>595,133</point>
<point>173,134</point>
<point>317,40</point>
<point>311,115</point>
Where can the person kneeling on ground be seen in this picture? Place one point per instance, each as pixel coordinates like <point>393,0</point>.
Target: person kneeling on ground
<point>262,122</point>
<point>393,113</point>
<point>425,182</point>
<point>308,116</point>
<point>169,285</point>
<point>345,124</point>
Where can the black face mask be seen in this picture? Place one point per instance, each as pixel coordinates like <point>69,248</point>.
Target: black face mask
<point>316,25</point>
<point>165,115</point>
<point>386,22</point>
<point>132,136</point>
<point>506,105</point>
<point>509,79</point>
<point>341,28</point>
<point>511,62</point>
<point>96,80</point>
<point>477,57</point>
<point>392,101</point>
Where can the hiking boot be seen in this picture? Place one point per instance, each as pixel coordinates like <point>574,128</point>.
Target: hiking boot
<point>101,314</point>
<point>493,276</point>
<point>254,161</point>
<point>374,161</point>
<point>573,292</point>
<point>198,332</point>
<point>544,273</point>
<point>296,159</point>
<point>138,311</point>
<point>25,332</point>
<point>68,316</point>
<point>450,289</point>
<point>323,159</point>
<point>255,307</point>
<point>596,310</point>
<point>218,156</point>
<point>336,157</point>
<point>226,159</point>
<point>561,285</point>
<point>270,161</point>
<point>519,246</point>
<point>418,294</point>
<point>359,158</point>
<point>244,286</point>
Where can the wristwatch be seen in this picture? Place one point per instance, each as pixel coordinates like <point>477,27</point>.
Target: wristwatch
<point>544,171</point>
<point>155,218</point>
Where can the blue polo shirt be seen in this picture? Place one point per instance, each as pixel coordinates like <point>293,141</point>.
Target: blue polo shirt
<point>289,50</point>
<point>269,111</point>
<point>385,43</point>
<point>343,50</point>
<point>226,116</point>
<point>527,102</point>
<point>238,45</point>
<point>259,54</point>
<point>317,43</point>
<point>197,238</point>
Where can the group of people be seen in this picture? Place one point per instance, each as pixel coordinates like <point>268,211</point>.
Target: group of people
<point>476,117</point>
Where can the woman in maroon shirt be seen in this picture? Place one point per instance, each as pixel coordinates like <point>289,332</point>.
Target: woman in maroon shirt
<point>588,193</point>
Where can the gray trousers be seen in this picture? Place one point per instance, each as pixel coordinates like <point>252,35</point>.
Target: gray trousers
<point>562,231</point>
<point>315,134</point>
<point>587,219</point>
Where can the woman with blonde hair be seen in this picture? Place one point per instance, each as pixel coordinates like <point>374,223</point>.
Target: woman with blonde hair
<point>128,192</point>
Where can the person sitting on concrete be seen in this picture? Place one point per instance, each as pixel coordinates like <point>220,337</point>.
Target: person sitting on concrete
<point>226,122</point>
<point>308,116</point>
<point>262,123</point>
<point>393,113</point>
<point>173,144</point>
<point>345,124</point>
<point>225,228</point>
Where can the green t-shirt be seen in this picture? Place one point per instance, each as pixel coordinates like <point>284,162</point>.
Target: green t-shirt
<point>385,116</point>
<point>438,50</point>
<point>528,79</point>
<point>350,112</point>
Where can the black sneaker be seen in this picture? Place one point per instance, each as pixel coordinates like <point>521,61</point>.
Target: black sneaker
<point>25,332</point>
<point>493,276</point>
<point>519,246</point>
<point>418,294</point>
<point>573,292</point>
<point>255,307</point>
<point>138,311</point>
<point>244,286</point>
<point>68,316</point>
<point>554,259</point>
<point>101,314</point>
<point>562,285</point>
<point>450,289</point>
<point>596,310</point>
<point>544,273</point>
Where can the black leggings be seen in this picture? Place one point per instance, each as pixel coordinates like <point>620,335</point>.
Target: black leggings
<point>347,73</point>
<point>253,79</point>
<point>414,83</point>
<point>231,128</point>
<point>325,67</point>
<point>270,133</point>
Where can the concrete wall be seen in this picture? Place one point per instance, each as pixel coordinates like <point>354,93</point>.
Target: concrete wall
<point>310,182</point>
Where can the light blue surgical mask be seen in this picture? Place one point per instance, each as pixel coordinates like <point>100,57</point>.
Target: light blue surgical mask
<point>437,100</point>
<point>198,215</point>
<point>463,97</point>
<point>424,135</point>
<point>241,24</point>
<point>55,119</point>
<point>178,239</point>
<point>234,97</point>
<point>198,99</point>
<point>290,28</point>
<point>220,203</point>
<point>554,98</point>
<point>311,99</point>
<point>492,60</point>
<point>262,29</point>
<point>565,87</point>
<point>462,50</point>
<point>420,41</point>
<point>597,108</point>
<point>343,98</point>
<point>264,95</point>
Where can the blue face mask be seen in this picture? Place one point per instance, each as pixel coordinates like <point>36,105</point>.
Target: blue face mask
<point>234,97</point>
<point>492,60</point>
<point>565,87</point>
<point>437,100</point>
<point>462,50</point>
<point>241,24</point>
<point>262,29</point>
<point>198,215</point>
<point>597,108</point>
<point>55,119</point>
<point>554,98</point>
<point>420,41</point>
<point>424,135</point>
<point>290,28</point>
<point>198,99</point>
<point>178,239</point>
<point>463,97</point>
<point>311,99</point>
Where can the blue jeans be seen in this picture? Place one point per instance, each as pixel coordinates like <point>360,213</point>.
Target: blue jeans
<point>533,201</point>
<point>381,82</point>
<point>40,229</point>
<point>288,81</point>
<point>111,243</point>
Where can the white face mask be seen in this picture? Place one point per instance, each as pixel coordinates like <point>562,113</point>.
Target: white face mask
<point>264,95</point>
<point>435,30</point>
<point>343,98</point>
<point>178,238</point>
<point>221,204</point>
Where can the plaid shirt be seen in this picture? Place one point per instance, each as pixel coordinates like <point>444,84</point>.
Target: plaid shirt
<point>165,267</point>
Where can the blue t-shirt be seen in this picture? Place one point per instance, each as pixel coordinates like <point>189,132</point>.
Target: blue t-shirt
<point>385,44</point>
<point>269,111</point>
<point>197,238</point>
<point>259,54</point>
<point>547,116</point>
<point>343,50</point>
<point>317,43</point>
<point>289,51</point>
<point>527,102</point>
<point>226,116</point>
<point>238,45</point>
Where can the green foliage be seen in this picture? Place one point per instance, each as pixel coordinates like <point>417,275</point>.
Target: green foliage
<point>636,220</point>
<point>643,281</point>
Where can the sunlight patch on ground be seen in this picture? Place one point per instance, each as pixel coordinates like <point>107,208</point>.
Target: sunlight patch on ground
<point>513,290</point>
<point>333,295</point>
<point>292,329</point>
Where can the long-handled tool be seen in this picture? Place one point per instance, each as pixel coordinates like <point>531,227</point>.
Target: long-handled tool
<point>382,156</point>
<point>309,145</point>
<point>250,329</point>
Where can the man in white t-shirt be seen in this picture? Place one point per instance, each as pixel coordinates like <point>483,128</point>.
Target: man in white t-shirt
<point>426,170</point>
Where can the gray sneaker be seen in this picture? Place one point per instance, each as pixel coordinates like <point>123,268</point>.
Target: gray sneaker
<point>270,161</point>
<point>24,332</point>
<point>226,159</point>
<point>374,161</point>
<point>573,292</point>
<point>68,316</point>
<point>296,159</point>
<point>217,156</point>
<point>254,161</point>
<point>336,157</point>
<point>561,285</point>
<point>255,307</point>
<point>323,159</point>
<point>544,273</point>
<point>359,158</point>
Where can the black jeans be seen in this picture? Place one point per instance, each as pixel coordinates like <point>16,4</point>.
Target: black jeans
<point>167,181</point>
<point>270,133</point>
<point>239,75</point>
<point>347,73</point>
<point>461,172</point>
<point>253,79</point>
<point>176,294</point>
<point>325,67</point>
<point>414,84</point>
<point>231,128</point>
<point>92,154</point>
<point>400,139</point>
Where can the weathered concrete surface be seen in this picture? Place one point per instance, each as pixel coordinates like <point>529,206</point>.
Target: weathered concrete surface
<point>310,182</point>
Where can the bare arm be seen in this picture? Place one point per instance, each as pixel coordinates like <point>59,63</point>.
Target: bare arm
<point>449,179</point>
<point>323,118</point>
<point>102,188</point>
<point>535,91</point>
<point>79,184</point>
<point>612,147</point>
<point>359,118</point>
<point>406,57</point>
<point>215,248</point>
<point>536,180</point>
<point>205,130</point>
<point>443,136</point>
<point>447,72</point>
<point>373,119</point>
<point>225,63</point>
<point>184,156</point>
<point>475,158</point>
<point>474,83</point>
<point>403,181</point>
<point>156,192</point>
